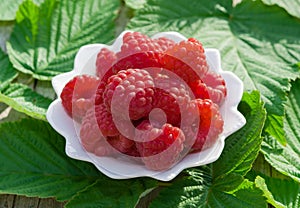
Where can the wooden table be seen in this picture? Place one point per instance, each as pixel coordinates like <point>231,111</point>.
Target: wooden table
<point>13,201</point>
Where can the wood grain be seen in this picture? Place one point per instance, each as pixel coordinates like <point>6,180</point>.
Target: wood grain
<point>14,201</point>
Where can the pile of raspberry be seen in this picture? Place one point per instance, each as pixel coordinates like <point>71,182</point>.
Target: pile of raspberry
<point>155,100</point>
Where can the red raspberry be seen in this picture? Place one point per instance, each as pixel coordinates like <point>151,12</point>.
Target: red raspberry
<point>199,89</point>
<point>99,93</point>
<point>138,51</point>
<point>91,137</point>
<point>78,95</point>
<point>187,60</point>
<point>136,42</point>
<point>164,43</point>
<point>171,95</point>
<point>160,148</point>
<point>124,145</point>
<point>216,87</point>
<point>105,60</point>
<point>105,121</point>
<point>132,90</point>
<point>139,60</point>
<point>203,130</point>
<point>93,141</point>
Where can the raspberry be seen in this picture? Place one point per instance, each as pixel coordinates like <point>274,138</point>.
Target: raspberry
<point>139,60</point>
<point>160,148</point>
<point>124,145</point>
<point>139,51</point>
<point>186,59</point>
<point>199,89</point>
<point>105,121</point>
<point>216,87</point>
<point>91,137</point>
<point>171,96</point>
<point>164,43</point>
<point>78,95</point>
<point>136,42</point>
<point>208,129</point>
<point>132,90</point>
<point>93,141</point>
<point>99,93</point>
<point>105,60</point>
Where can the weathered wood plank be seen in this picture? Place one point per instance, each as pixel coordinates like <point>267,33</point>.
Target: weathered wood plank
<point>49,203</point>
<point>14,201</point>
<point>26,202</point>
<point>6,201</point>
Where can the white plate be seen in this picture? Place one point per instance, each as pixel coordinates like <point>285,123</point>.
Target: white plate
<point>122,168</point>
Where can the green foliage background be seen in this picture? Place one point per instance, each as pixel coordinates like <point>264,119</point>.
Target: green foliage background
<point>259,41</point>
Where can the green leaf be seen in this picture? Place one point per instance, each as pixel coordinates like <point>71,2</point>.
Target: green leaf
<point>7,72</point>
<point>46,38</point>
<point>20,97</point>
<point>198,190</point>
<point>292,7</point>
<point>249,193</point>
<point>260,183</point>
<point>189,191</point>
<point>135,4</point>
<point>282,192</point>
<point>286,159</point>
<point>33,162</point>
<point>259,43</point>
<point>227,182</point>
<point>23,99</point>
<point>8,9</point>
<point>242,148</point>
<point>124,193</point>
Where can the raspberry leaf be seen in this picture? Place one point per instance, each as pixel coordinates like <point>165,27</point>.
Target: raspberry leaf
<point>52,33</point>
<point>190,191</point>
<point>135,4</point>
<point>33,162</point>
<point>7,72</point>
<point>280,192</point>
<point>249,194</point>
<point>291,7</point>
<point>19,96</point>
<point>286,159</point>
<point>8,9</point>
<point>117,194</point>
<point>198,190</point>
<point>247,140</point>
<point>23,99</point>
<point>264,60</point>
